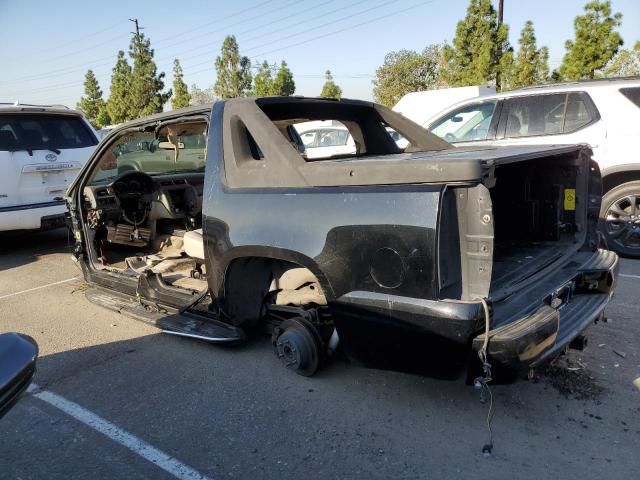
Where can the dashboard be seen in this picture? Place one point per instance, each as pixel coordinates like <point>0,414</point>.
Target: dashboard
<point>160,197</point>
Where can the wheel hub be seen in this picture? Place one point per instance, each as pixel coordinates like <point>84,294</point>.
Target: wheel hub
<point>623,222</point>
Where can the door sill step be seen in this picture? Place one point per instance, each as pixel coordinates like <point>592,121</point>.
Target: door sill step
<point>186,324</point>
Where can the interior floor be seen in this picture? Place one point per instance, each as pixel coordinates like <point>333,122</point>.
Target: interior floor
<point>165,256</point>
<point>515,261</point>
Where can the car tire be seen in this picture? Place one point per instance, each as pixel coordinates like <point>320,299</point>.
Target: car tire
<point>620,219</point>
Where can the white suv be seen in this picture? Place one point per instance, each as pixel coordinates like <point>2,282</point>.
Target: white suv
<point>602,113</point>
<point>41,150</point>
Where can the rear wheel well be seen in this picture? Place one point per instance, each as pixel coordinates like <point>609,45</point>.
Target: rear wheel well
<point>252,282</point>
<point>612,180</point>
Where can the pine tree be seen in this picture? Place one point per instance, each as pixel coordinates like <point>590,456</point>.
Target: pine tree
<point>330,89</point>
<point>530,65</point>
<point>233,71</point>
<point>283,84</point>
<point>263,81</point>
<point>625,64</point>
<point>91,103</point>
<point>201,96</point>
<point>118,106</point>
<point>181,96</point>
<point>146,95</point>
<point>407,71</point>
<point>596,42</point>
<point>479,44</point>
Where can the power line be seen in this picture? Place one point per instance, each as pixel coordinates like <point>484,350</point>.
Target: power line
<point>108,60</point>
<point>341,19</point>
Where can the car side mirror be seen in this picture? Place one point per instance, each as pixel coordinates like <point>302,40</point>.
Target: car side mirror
<point>18,355</point>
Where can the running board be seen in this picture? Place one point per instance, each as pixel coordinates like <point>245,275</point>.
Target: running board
<point>186,324</point>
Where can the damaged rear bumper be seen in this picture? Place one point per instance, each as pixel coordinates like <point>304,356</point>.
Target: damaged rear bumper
<point>561,316</point>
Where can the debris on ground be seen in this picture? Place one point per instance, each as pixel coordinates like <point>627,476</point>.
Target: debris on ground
<point>572,379</point>
<point>620,354</point>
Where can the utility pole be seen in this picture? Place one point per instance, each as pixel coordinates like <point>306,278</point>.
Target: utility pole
<point>137,32</point>
<point>500,18</point>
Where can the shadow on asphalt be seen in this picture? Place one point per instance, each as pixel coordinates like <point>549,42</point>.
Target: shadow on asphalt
<point>24,247</point>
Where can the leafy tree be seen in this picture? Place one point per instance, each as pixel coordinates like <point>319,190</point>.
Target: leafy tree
<point>200,96</point>
<point>625,64</point>
<point>181,97</point>
<point>530,65</point>
<point>91,103</point>
<point>330,89</point>
<point>103,119</point>
<point>263,81</point>
<point>407,71</point>
<point>478,47</point>
<point>283,83</point>
<point>271,82</point>
<point>234,75</point>
<point>118,106</point>
<point>146,95</point>
<point>596,41</point>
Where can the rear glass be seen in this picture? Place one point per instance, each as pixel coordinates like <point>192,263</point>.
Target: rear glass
<point>632,94</point>
<point>43,132</point>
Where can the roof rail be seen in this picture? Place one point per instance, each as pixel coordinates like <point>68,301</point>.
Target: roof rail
<point>579,82</point>
<point>18,104</point>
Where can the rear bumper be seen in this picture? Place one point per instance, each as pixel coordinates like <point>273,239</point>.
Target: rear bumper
<point>564,314</point>
<point>527,328</point>
<point>32,217</point>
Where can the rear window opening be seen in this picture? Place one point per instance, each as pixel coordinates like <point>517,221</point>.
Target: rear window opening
<point>534,207</point>
<point>44,132</point>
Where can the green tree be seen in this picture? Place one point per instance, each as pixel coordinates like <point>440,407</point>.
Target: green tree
<point>625,64</point>
<point>273,81</point>
<point>530,65</point>
<point>233,71</point>
<point>146,95</point>
<point>91,103</point>
<point>201,96</point>
<point>181,96</point>
<point>330,89</point>
<point>596,42</point>
<point>263,80</point>
<point>283,84</point>
<point>475,58</point>
<point>407,71</point>
<point>118,106</point>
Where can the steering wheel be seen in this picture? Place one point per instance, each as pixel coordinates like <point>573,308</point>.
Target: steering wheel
<point>134,191</point>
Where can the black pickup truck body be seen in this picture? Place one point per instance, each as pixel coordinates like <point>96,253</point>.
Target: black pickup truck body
<point>405,244</point>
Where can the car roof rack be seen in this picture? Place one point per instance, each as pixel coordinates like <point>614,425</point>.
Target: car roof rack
<point>18,104</point>
<point>580,82</point>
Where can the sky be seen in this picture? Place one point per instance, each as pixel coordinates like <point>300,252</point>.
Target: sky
<point>46,46</point>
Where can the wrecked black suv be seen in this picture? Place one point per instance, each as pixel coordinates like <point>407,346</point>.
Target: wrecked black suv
<point>212,223</point>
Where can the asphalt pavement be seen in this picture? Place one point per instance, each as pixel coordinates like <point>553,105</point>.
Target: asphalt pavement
<point>220,412</point>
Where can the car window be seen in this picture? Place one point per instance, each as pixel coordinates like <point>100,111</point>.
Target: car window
<point>333,138</point>
<point>633,94</point>
<point>467,123</point>
<point>578,113</point>
<point>177,148</point>
<point>308,138</point>
<point>43,132</point>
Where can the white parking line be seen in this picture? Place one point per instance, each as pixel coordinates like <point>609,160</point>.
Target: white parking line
<point>626,275</point>
<point>136,445</point>
<point>38,288</point>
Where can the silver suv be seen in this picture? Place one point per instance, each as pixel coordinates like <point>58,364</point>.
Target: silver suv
<point>602,113</point>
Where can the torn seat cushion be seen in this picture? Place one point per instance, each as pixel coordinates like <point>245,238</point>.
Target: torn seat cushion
<point>194,245</point>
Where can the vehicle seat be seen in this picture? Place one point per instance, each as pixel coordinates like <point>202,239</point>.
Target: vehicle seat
<point>194,245</point>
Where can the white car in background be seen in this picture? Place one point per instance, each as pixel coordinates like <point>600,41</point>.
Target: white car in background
<point>602,113</point>
<point>42,148</point>
<point>324,139</point>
